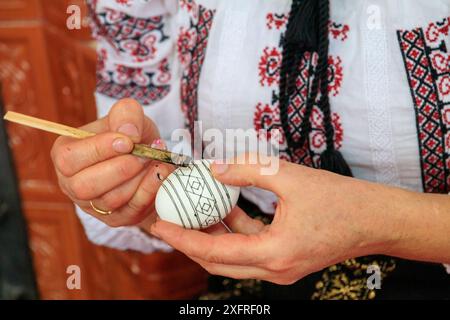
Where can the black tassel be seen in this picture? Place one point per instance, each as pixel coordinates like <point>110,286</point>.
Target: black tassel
<point>304,29</point>
<point>332,160</point>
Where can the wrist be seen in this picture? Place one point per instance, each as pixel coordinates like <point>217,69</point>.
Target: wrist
<point>381,212</point>
<point>425,228</point>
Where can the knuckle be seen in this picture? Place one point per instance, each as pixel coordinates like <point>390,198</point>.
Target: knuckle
<point>148,192</point>
<point>212,258</point>
<point>113,200</point>
<point>136,211</point>
<point>142,200</point>
<point>137,207</point>
<point>80,189</point>
<point>56,147</point>
<point>64,188</point>
<point>62,160</point>
<point>125,170</point>
<point>97,153</point>
<point>69,186</point>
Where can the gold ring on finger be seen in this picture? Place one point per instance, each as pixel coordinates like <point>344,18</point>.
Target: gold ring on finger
<point>102,212</point>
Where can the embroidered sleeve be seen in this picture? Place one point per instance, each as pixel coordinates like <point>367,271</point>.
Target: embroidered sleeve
<point>122,238</point>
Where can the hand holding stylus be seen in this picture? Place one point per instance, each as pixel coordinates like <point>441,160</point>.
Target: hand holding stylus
<point>100,174</point>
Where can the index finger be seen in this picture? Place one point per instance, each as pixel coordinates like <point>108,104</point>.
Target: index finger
<point>236,249</point>
<point>71,155</point>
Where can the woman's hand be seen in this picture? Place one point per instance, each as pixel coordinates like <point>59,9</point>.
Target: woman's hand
<point>321,219</point>
<point>102,170</point>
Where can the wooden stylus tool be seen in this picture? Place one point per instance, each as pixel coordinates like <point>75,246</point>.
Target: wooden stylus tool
<point>139,150</point>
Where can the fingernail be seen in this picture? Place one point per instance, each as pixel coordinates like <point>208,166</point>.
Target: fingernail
<point>158,144</point>
<point>219,168</point>
<point>159,177</point>
<point>129,130</point>
<point>121,146</point>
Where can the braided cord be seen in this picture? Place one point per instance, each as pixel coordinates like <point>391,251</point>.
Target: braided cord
<point>324,104</point>
<point>290,68</point>
<point>287,72</point>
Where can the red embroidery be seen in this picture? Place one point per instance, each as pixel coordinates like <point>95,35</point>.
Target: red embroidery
<point>441,62</point>
<point>135,37</point>
<point>339,31</point>
<point>194,52</point>
<point>185,44</point>
<point>438,29</point>
<point>267,116</point>
<point>444,85</point>
<point>270,63</point>
<point>427,66</point>
<point>318,140</point>
<point>125,82</point>
<point>188,5</point>
<point>269,67</point>
<point>298,99</point>
<point>265,120</point>
<point>276,21</point>
<point>123,2</point>
<point>335,75</point>
<point>102,56</point>
<point>164,76</point>
<point>279,20</point>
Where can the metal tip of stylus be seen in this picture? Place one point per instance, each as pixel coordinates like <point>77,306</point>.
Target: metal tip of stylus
<point>183,161</point>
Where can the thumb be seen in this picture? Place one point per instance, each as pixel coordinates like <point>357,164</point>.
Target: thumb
<point>268,173</point>
<point>127,117</point>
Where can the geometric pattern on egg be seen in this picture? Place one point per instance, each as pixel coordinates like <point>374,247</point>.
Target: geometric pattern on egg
<point>192,198</point>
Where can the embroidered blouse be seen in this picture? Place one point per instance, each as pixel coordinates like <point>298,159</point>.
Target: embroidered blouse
<point>218,61</point>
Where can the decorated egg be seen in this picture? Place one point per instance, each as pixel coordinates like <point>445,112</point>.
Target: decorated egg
<point>192,198</point>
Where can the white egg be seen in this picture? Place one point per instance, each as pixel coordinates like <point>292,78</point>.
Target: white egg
<point>190,197</point>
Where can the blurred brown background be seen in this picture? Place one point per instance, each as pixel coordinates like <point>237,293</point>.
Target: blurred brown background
<point>48,71</point>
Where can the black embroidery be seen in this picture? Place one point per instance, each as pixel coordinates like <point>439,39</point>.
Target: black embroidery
<point>429,80</point>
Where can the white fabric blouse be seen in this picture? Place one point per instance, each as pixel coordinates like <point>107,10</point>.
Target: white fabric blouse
<point>389,74</point>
